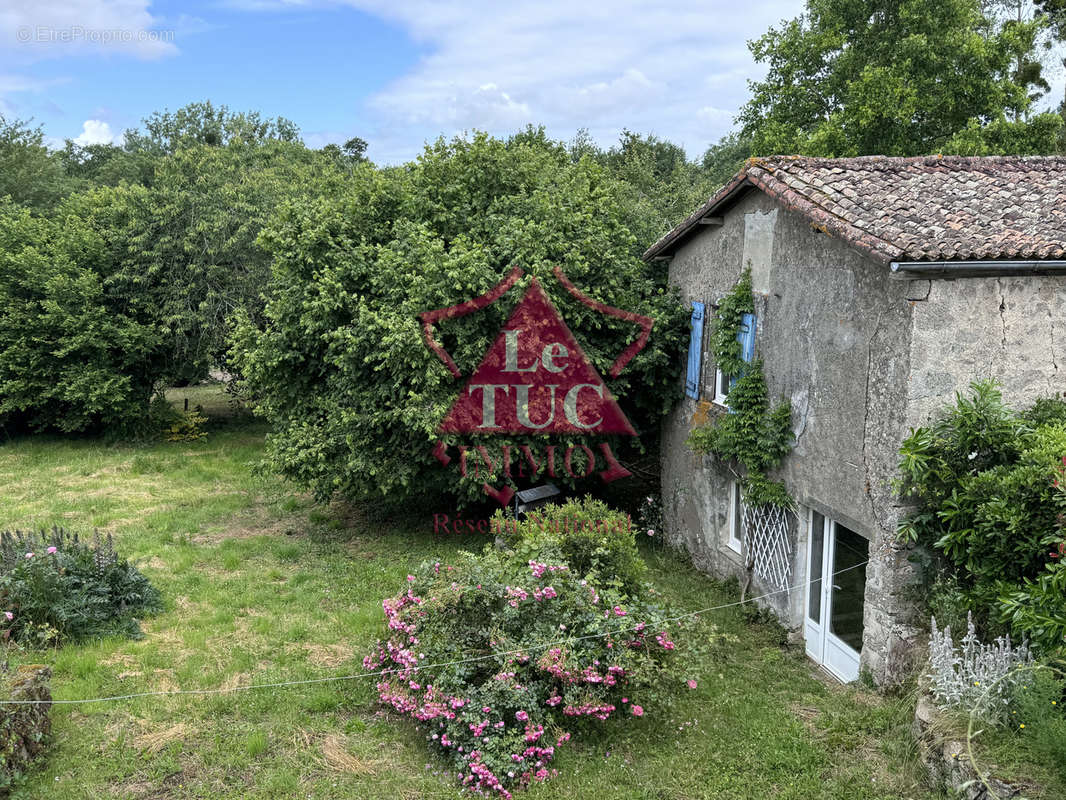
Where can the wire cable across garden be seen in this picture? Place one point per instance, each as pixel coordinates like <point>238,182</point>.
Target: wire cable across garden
<point>379,673</point>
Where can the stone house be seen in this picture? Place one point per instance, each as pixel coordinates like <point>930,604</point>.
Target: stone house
<point>883,286</point>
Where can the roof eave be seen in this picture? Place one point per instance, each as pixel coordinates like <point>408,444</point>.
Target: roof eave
<point>719,201</point>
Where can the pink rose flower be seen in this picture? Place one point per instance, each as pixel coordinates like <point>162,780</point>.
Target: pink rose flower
<point>9,615</point>
<point>637,710</point>
<point>51,550</point>
<point>29,555</point>
<point>691,683</point>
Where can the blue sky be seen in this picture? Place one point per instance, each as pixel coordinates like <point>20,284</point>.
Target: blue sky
<point>395,72</point>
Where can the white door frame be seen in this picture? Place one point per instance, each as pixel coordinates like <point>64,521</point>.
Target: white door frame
<point>822,645</point>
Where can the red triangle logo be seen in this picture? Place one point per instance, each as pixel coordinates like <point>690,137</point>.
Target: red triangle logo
<point>536,379</point>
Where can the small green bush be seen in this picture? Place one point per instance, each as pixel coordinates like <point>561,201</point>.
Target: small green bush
<point>991,487</point>
<point>188,427</point>
<point>595,541</point>
<point>54,587</point>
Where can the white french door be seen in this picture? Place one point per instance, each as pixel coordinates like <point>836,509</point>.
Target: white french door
<point>836,587</point>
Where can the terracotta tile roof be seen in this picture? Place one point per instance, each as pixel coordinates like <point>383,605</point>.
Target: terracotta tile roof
<point>929,208</point>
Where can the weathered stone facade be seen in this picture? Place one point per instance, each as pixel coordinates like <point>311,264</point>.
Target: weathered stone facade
<point>863,357</point>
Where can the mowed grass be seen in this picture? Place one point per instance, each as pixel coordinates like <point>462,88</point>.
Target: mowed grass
<point>262,586</point>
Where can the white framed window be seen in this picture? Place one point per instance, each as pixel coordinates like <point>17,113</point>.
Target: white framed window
<point>721,388</point>
<point>735,542</point>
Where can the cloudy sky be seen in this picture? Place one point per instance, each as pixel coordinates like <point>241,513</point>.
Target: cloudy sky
<point>395,72</point>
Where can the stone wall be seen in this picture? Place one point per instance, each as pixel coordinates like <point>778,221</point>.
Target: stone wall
<point>863,357</point>
<point>834,331</point>
<point>946,758</point>
<point>1007,328</point>
<point>23,728</point>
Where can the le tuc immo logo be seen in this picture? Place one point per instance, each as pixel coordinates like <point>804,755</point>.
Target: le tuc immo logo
<point>535,379</point>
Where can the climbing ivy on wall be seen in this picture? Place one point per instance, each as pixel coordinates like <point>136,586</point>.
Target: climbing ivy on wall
<point>756,434</point>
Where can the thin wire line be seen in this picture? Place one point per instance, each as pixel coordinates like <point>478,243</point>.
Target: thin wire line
<point>379,673</point>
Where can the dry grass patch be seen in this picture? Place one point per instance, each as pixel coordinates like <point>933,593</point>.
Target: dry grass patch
<point>337,757</point>
<point>236,681</point>
<point>329,655</point>
<point>250,523</point>
<point>153,741</point>
<point>164,681</point>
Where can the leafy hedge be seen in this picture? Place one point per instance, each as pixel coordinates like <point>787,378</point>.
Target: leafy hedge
<point>75,350</point>
<point>991,488</point>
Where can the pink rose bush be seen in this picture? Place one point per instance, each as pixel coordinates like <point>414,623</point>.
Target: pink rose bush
<point>501,657</point>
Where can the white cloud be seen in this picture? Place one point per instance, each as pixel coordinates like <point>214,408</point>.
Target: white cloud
<point>673,69</point>
<point>95,131</point>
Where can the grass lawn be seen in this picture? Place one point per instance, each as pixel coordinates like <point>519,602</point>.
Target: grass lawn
<point>263,586</point>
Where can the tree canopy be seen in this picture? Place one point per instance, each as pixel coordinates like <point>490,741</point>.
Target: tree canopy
<point>861,77</point>
<point>340,366</point>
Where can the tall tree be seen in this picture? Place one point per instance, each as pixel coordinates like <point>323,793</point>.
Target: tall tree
<point>894,77</point>
<point>723,158</point>
<point>187,242</point>
<point>1055,13</point>
<point>29,174</point>
<point>339,364</point>
<point>205,124</point>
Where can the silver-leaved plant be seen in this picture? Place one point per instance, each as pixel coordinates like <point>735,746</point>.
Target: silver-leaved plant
<point>973,676</point>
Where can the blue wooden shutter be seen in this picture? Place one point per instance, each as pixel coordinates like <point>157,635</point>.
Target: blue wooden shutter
<point>746,337</point>
<point>695,351</point>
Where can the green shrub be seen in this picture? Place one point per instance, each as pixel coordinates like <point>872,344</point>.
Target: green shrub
<point>339,364</point>
<point>188,427</point>
<point>75,349</point>
<point>500,659</point>
<point>596,542</point>
<point>991,491</point>
<point>54,587</point>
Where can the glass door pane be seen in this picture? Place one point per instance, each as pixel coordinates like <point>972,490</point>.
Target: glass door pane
<point>849,586</point>
<point>814,570</point>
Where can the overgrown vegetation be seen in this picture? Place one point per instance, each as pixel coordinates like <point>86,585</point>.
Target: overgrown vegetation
<point>754,434</point>
<point>56,588</point>
<point>263,586</point>
<point>24,724</point>
<point>525,648</point>
<point>990,488</point>
<point>908,78</point>
<point>1007,707</point>
<point>340,367</point>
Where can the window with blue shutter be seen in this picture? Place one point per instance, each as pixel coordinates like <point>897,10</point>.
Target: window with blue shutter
<point>695,351</point>
<point>746,337</point>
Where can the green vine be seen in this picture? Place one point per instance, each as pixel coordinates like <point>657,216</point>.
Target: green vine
<point>756,434</point>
